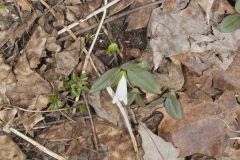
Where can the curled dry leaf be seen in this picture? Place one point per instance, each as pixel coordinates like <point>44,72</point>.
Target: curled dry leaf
<point>104,108</point>
<point>202,131</point>
<point>173,33</point>
<point>36,46</point>
<point>68,59</point>
<point>9,150</point>
<point>156,148</point>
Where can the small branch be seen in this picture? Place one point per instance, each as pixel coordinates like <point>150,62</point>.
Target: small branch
<point>112,18</point>
<point>91,120</point>
<point>94,40</point>
<point>36,144</point>
<point>102,9</point>
<point>125,117</point>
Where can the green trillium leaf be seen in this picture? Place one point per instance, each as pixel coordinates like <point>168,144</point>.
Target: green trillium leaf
<point>156,102</point>
<point>230,23</point>
<point>237,6</point>
<point>173,106</point>
<point>106,80</point>
<point>143,79</point>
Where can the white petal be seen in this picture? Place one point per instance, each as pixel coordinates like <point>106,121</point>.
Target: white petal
<point>121,92</point>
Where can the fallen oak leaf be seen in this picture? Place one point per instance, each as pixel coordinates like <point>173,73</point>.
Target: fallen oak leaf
<point>191,135</point>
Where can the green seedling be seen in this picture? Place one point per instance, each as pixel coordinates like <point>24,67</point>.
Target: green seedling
<point>76,84</point>
<point>55,103</point>
<point>113,47</point>
<point>2,6</point>
<point>231,22</point>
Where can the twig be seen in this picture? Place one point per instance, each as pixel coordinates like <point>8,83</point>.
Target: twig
<point>102,9</point>
<point>36,144</point>
<point>237,138</point>
<point>112,18</point>
<point>88,56</point>
<point>125,117</point>
<point>91,120</point>
<point>94,41</point>
<point>227,125</point>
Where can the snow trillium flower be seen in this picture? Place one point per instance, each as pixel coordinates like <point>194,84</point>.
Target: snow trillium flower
<point>121,92</point>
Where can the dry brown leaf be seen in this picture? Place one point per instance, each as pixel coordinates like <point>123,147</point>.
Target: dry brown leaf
<point>229,80</point>
<point>172,76</point>
<point>68,59</point>
<point>201,130</point>
<point>9,150</point>
<point>156,148</point>
<point>7,116</point>
<point>7,80</point>
<point>36,46</point>
<point>25,5</point>
<point>231,153</point>
<point>120,6</point>
<point>30,91</point>
<point>139,19</point>
<point>17,29</point>
<point>112,140</point>
<point>104,108</point>
<point>173,33</point>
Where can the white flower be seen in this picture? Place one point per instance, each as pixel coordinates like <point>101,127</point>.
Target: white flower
<point>121,92</point>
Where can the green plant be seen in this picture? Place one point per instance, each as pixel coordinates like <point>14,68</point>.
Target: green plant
<point>231,22</point>
<point>76,84</point>
<point>2,6</point>
<point>134,73</point>
<point>55,103</point>
<point>113,47</point>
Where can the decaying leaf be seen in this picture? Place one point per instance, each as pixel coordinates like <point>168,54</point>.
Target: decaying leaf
<point>140,18</point>
<point>171,75</point>
<point>104,108</point>
<point>25,5</point>
<point>36,46</point>
<point>201,130</point>
<point>17,29</point>
<point>229,79</point>
<point>173,33</point>
<point>112,141</point>
<point>120,6</point>
<point>68,59</point>
<point>7,80</point>
<point>30,91</point>
<point>9,150</point>
<point>156,148</point>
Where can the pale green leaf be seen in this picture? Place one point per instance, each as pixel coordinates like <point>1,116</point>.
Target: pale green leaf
<point>230,23</point>
<point>106,80</point>
<point>113,47</point>
<point>237,6</point>
<point>143,79</point>
<point>173,106</point>
<point>139,101</point>
<point>2,6</point>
